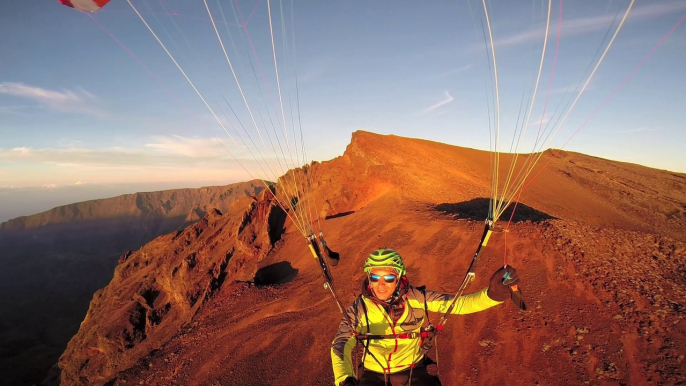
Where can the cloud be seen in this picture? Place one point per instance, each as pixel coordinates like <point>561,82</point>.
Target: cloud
<point>638,130</point>
<point>447,98</point>
<point>65,101</point>
<point>20,150</point>
<point>582,25</point>
<point>571,90</point>
<point>164,159</point>
<point>15,110</point>
<point>454,71</point>
<point>113,157</point>
<point>69,143</point>
<point>312,74</point>
<point>541,122</point>
<point>188,147</point>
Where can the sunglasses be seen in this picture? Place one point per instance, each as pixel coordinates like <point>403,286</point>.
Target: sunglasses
<point>374,278</point>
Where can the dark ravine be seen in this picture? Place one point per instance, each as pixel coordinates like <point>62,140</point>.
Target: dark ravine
<point>159,288</point>
<point>52,262</point>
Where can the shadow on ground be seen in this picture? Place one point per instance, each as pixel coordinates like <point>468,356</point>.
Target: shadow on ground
<point>278,273</point>
<point>477,210</point>
<point>337,215</point>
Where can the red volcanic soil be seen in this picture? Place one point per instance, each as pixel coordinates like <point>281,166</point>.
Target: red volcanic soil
<point>599,246</point>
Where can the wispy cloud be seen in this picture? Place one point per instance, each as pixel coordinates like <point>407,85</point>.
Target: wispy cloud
<point>447,98</point>
<point>69,143</point>
<point>595,23</point>
<point>65,101</point>
<point>639,130</point>
<point>312,74</point>
<point>75,156</point>
<point>162,150</point>
<point>188,147</point>
<point>317,68</point>
<point>454,71</point>
<point>163,159</point>
<point>15,110</point>
<point>542,121</point>
<point>108,157</point>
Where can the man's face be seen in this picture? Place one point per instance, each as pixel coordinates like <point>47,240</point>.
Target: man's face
<point>383,282</point>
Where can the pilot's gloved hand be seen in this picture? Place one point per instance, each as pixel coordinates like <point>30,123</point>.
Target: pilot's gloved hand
<point>500,283</point>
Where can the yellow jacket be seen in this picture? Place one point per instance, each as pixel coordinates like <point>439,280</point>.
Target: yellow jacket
<point>371,317</point>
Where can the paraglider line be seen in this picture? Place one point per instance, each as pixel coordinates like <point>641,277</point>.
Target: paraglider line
<point>259,65</point>
<point>205,102</point>
<point>525,125</point>
<point>278,84</point>
<point>633,72</point>
<point>171,13</point>
<point>264,81</point>
<point>609,97</point>
<point>530,169</point>
<point>165,5</point>
<point>531,157</point>
<point>168,90</point>
<point>251,14</point>
<point>552,73</point>
<point>299,222</point>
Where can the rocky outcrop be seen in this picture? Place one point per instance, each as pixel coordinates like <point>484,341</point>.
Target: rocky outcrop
<point>158,289</point>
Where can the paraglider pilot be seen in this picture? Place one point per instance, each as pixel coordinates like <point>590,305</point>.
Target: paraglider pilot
<point>393,311</point>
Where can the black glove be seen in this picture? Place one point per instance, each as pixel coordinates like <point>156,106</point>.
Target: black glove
<point>350,381</point>
<point>499,286</point>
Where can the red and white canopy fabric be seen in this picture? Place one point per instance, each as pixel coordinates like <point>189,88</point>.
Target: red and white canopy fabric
<point>85,5</point>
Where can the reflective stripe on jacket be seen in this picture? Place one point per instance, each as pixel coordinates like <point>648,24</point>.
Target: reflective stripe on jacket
<point>393,355</point>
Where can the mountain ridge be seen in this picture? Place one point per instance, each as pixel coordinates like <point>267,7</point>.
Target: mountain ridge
<point>585,220</point>
<point>168,203</point>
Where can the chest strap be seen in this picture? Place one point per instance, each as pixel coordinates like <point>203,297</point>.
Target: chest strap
<point>405,335</point>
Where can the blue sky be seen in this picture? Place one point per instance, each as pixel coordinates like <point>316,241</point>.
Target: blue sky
<point>78,108</point>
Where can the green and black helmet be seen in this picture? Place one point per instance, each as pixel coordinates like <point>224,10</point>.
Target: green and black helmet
<point>385,258</point>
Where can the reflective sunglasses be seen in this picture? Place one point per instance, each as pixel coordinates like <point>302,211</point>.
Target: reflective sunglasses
<point>387,278</point>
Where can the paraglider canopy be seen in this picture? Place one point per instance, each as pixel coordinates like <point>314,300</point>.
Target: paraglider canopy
<point>85,5</point>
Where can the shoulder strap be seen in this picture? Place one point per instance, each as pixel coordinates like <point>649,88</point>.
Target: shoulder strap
<point>422,289</point>
<point>364,309</point>
<point>366,342</point>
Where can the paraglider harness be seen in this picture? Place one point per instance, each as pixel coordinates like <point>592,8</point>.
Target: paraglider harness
<point>317,244</point>
<point>428,335</point>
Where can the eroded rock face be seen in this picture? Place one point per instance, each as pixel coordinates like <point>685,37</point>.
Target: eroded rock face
<point>159,288</point>
<point>51,263</point>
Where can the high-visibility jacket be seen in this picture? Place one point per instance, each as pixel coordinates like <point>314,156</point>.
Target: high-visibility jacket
<point>393,355</point>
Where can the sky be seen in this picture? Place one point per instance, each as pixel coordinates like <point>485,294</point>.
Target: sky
<point>94,100</point>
